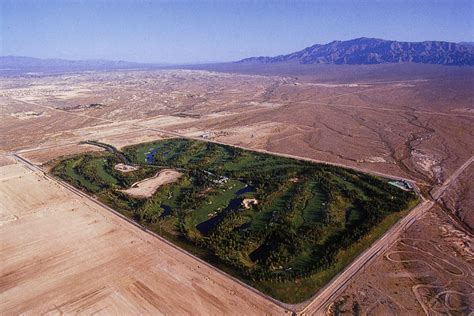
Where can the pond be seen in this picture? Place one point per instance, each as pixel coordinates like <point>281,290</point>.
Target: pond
<point>166,210</point>
<point>150,156</point>
<point>234,204</point>
<point>165,153</point>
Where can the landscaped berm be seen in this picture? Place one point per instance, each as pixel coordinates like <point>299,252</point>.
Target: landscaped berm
<point>301,222</point>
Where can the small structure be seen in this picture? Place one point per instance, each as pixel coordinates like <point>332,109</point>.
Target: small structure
<point>207,134</point>
<point>125,168</point>
<point>221,180</point>
<point>402,184</point>
<point>247,203</point>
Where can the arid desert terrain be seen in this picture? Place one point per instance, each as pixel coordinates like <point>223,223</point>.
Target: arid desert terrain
<point>414,122</point>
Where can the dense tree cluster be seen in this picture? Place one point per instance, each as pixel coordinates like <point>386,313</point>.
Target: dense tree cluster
<point>305,215</point>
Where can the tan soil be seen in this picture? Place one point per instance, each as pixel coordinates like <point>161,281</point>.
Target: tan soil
<point>5,160</point>
<point>409,120</point>
<point>27,115</point>
<point>460,197</point>
<point>429,271</point>
<point>41,156</point>
<point>147,187</point>
<point>62,253</point>
<point>413,121</point>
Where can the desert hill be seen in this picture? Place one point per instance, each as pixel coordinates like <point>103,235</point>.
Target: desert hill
<point>376,51</point>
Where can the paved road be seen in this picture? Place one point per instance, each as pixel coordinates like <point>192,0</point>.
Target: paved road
<point>332,290</point>
<point>436,194</point>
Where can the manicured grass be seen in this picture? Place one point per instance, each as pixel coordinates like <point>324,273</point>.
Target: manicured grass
<point>261,219</point>
<point>99,165</point>
<point>314,210</point>
<point>303,289</point>
<point>139,153</point>
<point>216,201</point>
<point>71,172</point>
<point>309,222</point>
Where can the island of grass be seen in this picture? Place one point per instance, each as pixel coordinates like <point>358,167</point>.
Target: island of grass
<point>302,223</point>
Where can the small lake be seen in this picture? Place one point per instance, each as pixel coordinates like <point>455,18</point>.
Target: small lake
<point>166,210</point>
<point>246,189</point>
<point>234,204</point>
<point>150,156</point>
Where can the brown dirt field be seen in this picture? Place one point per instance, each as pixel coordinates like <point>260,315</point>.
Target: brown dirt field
<point>147,187</point>
<point>120,141</point>
<point>72,256</point>
<point>414,121</point>
<point>410,120</point>
<point>44,155</point>
<point>429,271</point>
<point>5,160</point>
<point>460,197</point>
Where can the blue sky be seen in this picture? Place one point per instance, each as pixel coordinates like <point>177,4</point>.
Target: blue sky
<point>207,31</point>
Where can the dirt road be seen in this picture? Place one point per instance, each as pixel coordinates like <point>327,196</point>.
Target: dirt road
<point>139,126</point>
<point>326,295</point>
<point>440,190</point>
<point>77,257</point>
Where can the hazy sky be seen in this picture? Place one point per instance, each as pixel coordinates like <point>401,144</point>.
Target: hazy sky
<point>204,31</point>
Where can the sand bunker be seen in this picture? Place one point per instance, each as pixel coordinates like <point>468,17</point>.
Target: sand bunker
<point>147,187</point>
<point>125,168</point>
<point>248,203</point>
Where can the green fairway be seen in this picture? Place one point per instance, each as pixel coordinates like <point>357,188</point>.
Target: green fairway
<point>302,223</point>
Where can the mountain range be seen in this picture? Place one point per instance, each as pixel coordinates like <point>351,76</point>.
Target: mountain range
<point>20,64</point>
<point>376,51</point>
<point>357,51</point>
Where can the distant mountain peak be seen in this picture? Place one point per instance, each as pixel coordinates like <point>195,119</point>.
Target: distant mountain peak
<point>22,64</point>
<point>366,50</point>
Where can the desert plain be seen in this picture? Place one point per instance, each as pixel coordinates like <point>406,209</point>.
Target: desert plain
<point>414,122</point>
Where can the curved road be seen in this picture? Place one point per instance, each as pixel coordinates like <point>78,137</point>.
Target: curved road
<point>322,299</point>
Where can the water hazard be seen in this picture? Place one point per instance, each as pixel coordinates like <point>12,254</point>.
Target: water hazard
<point>150,156</point>
<point>166,210</point>
<point>234,204</point>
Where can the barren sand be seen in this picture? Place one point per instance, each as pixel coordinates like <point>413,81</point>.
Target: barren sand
<point>62,253</point>
<point>407,120</point>
<point>460,197</point>
<point>417,276</point>
<point>414,121</point>
<point>5,160</point>
<point>147,187</point>
<point>41,156</point>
